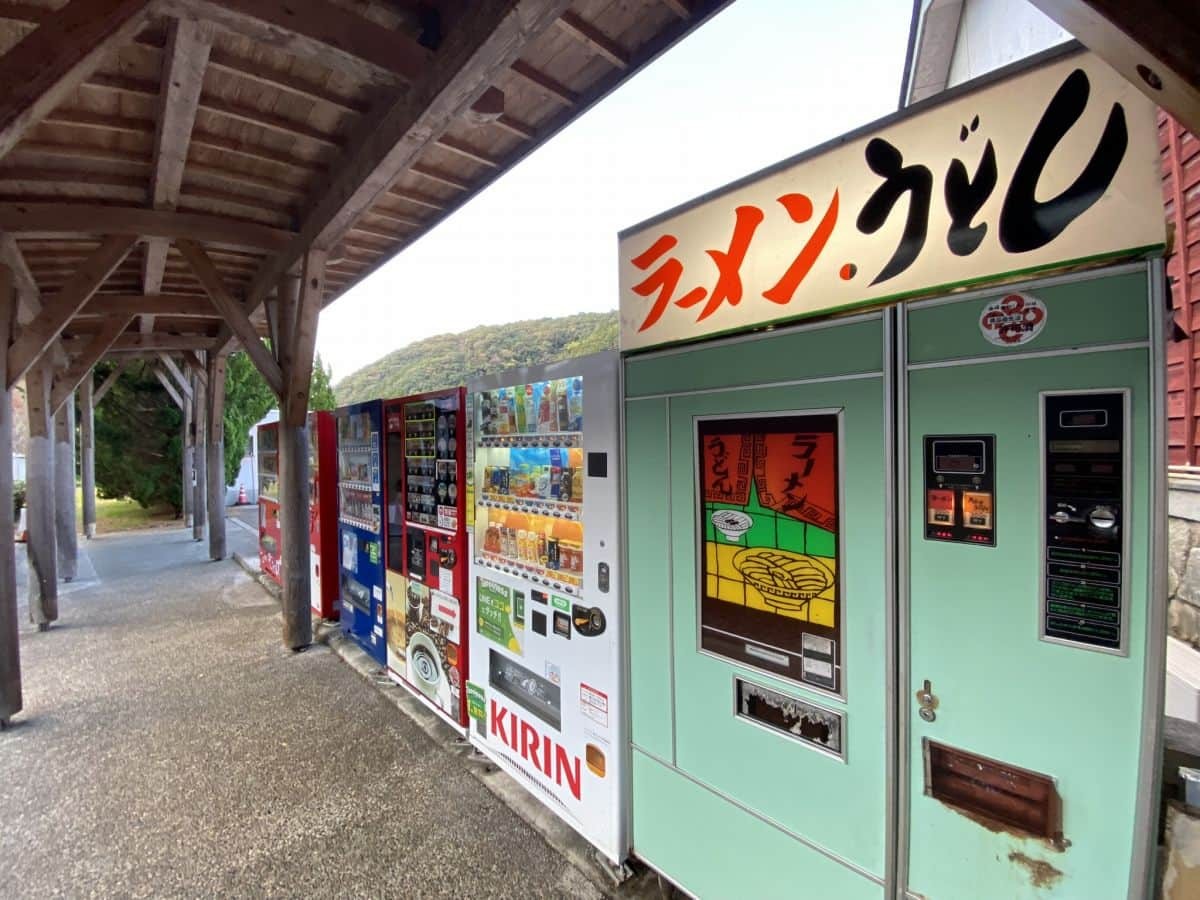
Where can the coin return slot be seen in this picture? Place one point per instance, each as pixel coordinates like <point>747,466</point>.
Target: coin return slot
<point>992,792</point>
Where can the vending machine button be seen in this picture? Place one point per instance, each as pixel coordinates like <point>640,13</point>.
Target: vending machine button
<point>1102,517</point>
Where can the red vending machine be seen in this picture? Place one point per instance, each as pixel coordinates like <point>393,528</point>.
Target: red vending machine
<point>268,501</point>
<point>425,482</point>
<point>322,513</point>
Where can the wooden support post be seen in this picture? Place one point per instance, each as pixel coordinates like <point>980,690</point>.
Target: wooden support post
<point>293,477</point>
<point>64,490</point>
<point>10,647</point>
<point>187,450</point>
<point>39,499</point>
<point>199,461</point>
<point>215,414</point>
<point>87,452</point>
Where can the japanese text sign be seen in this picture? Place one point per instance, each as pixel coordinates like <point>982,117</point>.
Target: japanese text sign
<point>1045,168</point>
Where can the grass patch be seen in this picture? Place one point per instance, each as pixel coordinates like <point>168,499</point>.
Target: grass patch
<point>125,515</point>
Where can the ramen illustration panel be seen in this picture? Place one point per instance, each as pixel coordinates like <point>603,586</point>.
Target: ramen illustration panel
<point>769,587</point>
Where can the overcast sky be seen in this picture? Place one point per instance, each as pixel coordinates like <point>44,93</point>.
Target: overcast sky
<point>763,80</point>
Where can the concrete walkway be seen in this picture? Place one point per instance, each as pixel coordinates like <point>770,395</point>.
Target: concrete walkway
<point>170,746</point>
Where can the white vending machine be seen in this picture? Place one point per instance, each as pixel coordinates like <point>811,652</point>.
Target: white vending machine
<point>545,601</point>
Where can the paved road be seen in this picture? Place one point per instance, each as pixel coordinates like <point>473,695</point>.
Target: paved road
<point>171,747</point>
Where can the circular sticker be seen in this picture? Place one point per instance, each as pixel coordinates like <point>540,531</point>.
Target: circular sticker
<point>1013,320</point>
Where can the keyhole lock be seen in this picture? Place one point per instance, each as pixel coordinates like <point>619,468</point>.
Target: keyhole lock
<point>927,701</point>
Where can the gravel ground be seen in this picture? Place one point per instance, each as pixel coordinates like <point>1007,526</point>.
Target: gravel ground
<point>170,746</point>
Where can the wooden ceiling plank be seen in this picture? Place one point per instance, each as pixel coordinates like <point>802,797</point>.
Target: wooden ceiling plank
<point>462,148</point>
<point>79,118</point>
<point>593,37</point>
<point>550,86</point>
<point>83,153</point>
<point>317,31</point>
<point>52,60</point>
<point>261,182</point>
<point>681,8</point>
<point>474,54</point>
<point>58,310</point>
<point>271,77</point>
<point>426,200</point>
<point>515,126</point>
<point>81,366</point>
<point>256,152</point>
<point>440,176</point>
<point>69,218</point>
<point>235,317</point>
<point>250,115</point>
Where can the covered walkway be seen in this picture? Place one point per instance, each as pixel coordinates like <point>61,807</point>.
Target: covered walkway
<point>170,746</point>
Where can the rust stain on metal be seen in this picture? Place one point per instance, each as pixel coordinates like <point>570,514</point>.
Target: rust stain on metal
<point>1041,873</point>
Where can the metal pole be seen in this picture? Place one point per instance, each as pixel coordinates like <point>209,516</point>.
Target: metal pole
<point>10,648</point>
<point>199,461</point>
<point>39,500</point>
<point>64,490</point>
<point>87,452</point>
<point>216,456</point>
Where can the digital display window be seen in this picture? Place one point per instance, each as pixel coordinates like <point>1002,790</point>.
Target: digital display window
<point>769,544</point>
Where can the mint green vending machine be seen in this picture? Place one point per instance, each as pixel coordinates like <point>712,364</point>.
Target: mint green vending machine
<point>895,507</point>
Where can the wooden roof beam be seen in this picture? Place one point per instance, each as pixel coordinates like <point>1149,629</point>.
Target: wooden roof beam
<point>75,218</point>
<point>319,31</point>
<point>104,305</point>
<point>593,37</point>
<point>1151,43</point>
<point>681,8</point>
<point>35,338</point>
<point>109,381</point>
<point>28,294</point>
<point>81,366</point>
<point>149,343</point>
<point>166,382</point>
<point>52,60</point>
<point>235,317</point>
<point>477,51</point>
<point>181,381</point>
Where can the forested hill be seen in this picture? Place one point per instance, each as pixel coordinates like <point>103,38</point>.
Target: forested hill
<point>446,360</point>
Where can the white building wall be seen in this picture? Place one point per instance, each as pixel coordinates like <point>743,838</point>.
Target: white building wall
<point>994,33</point>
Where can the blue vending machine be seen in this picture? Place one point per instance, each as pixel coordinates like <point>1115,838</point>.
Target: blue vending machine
<point>360,526</point>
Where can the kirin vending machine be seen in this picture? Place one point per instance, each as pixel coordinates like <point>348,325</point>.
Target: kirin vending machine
<point>322,513</point>
<point>269,540</point>
<point>546,620</point>
<point>360,525</point>
<point>425,452</point>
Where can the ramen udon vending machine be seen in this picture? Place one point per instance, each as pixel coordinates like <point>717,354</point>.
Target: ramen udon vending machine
<point>546,619</point>
<point>895,575</point>
<point>269,540</point>
<point>360,525</point>
<point>322,514</point>
<point>427,637</point>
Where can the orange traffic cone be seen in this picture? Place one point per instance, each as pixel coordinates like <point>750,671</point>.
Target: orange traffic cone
<point>241,495</point>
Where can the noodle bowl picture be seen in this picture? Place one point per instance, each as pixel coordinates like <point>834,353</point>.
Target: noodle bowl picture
<point>785,579</point>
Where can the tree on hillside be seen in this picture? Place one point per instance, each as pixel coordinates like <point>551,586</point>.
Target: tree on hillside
<point>446,360</point>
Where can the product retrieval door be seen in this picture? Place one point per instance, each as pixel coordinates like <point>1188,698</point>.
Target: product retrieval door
<point>758,510</point>
<point>1029,532</point>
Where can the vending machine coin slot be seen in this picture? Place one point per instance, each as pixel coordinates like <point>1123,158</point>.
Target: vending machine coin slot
<point>1084,488</point>
<point>960,489</point>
